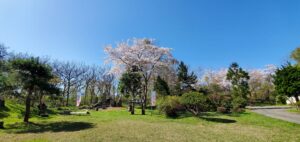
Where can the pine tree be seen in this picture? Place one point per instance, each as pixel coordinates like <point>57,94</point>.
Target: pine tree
<point>34,75</point>
<point>240,88</point>
<point>186,79</point>
<point>161,87</point>
<point>130,85</point>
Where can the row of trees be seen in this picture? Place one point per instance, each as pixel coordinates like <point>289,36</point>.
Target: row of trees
<point>35,82</point>
<point>228,89</point>
<point>141,66</point>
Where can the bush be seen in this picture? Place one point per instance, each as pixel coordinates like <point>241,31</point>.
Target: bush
<point>281,99</point>
<point>214,101</point>
<point>170,106</point>
<point>238,103</point>
<point>194,102</point>
<point>226,103</point>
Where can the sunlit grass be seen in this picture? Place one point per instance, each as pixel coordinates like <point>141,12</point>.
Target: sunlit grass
<point>297,111</point>
<point>119,125</point>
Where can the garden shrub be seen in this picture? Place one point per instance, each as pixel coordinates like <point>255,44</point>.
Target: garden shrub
<point>281,99</point>
<point>170,106</point>
<point>226,102</point>
<point>238,104</point>
<point>214,101</point>
<point>194,102</point>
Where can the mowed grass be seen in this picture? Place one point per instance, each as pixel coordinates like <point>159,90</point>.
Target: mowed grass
<point>118,125</point>
<point>297,111</point>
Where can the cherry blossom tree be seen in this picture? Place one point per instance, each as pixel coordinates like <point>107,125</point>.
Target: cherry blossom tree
<point>261,82</point>
<point>143,54</point>
<point>217,77</point>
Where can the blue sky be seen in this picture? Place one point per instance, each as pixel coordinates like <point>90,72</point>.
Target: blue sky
<point>203,33</point>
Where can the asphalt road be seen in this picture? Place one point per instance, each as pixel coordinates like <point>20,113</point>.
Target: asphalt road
<point>282,114</point>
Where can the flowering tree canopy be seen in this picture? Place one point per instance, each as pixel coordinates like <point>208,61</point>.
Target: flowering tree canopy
<point>141,53</point>
<point>262,75</point>
<point>216,77</point>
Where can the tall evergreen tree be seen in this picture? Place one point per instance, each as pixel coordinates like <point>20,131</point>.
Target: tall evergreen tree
<point>287,81</point>
<point>186,79</point>
<point>130,85</point>
<point>239,81</point>
<point>161,87</point>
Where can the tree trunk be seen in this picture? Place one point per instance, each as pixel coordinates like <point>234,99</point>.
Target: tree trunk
<point>62,102</point>
<point>132,108</point>
<point>92,96</point>
<point>144,103</point>
<point>2,102</point>
<point>1,124</point>
<point>41,98</point>
<point>85,94</point>
<point>68,93</point>
<point>27,110</point>
<point>297,98</point>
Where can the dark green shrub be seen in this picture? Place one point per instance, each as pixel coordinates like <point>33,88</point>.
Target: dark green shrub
<point>281,99</point>
<point>194,102</point>
<point>170,106</point>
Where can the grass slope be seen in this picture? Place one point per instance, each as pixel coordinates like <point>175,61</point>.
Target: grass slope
<point>119,125</point>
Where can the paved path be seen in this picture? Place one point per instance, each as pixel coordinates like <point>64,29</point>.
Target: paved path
<point>279,113</point>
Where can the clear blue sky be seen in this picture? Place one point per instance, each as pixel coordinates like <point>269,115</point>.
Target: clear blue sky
<point>203,33</point>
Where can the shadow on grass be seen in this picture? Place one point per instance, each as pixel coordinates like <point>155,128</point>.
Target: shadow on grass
<point>49,127</point>
<point>207,116</point>
<point>181,115</point>
<point>218,120</point>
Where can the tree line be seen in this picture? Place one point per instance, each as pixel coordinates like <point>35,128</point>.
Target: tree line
<point>140,66</point>
<point>179,88</point>
<point>36,82</point>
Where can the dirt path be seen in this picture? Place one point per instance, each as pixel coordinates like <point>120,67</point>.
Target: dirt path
<point>279,113</point>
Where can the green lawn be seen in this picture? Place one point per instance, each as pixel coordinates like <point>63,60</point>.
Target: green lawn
<point>118,125</point>
<point>294,111</point>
